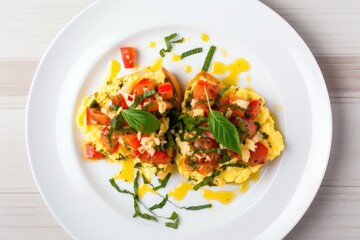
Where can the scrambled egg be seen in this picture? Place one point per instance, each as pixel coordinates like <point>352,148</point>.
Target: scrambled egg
<point>112,86</point>
<point>266,134</point>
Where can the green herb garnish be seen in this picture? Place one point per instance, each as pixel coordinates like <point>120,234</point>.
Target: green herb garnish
<point>168,44</point>
<point>163,182</point>
<point>137,100</point>
<point>206,180</point>
<point>191,52</point>
<point>178,41</point>
<point>199,207</point>
<point>113,183</point>
<point>209,150</point>
<point>95,104</point>
<point>161,204</point>
<point>175,222</point>
<point>141,120</point>
<point>239,165</point>
<point>208,58</point>
<point>223,130</point>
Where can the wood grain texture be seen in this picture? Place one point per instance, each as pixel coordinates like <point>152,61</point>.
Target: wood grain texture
<point>331,28</point>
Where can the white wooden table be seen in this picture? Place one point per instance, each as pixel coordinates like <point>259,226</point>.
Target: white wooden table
<point>331,28</point>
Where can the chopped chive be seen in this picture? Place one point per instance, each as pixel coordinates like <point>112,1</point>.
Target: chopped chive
<point>113,183</point>
<point>206,180</point>
<point>95,104</point>
<point>191,52</point>
<point>136,185</point>
<point>147,106</point>
<point>174,224</point>
<point>161,204</point>
<point>163,182</point>
<point>222,91</point>
<point>137,100</point>
<point>199,207</point>
<point>168,44</point>
<point>178,41</point>
<point>208,58</point>
<point>208,150</point>
<point>239,165</point>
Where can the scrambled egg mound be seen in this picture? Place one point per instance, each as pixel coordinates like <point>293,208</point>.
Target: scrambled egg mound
<point>96,114</point>
<point>201,156</point>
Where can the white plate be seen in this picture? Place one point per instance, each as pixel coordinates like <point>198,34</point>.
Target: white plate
<point>283,71</point>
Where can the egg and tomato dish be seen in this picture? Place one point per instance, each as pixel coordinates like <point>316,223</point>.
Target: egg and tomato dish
<point>202,158</point>
<point>128,116</point>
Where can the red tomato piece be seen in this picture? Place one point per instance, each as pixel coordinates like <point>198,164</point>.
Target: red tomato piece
<point>145,157</point>
<point>134,153</point>
<point>205,168</point>
<point>212,90</point>
<point>253,109</point>
<point>91,153</point>
<point>154,106</point>
<point>128,55</point>
<point>119,100</point>
<point>165,90</point>
<point>160,157</point>
<point>104,139</point>
<point>94,116</point>
<point>251,127</point>
<point>259,156</point>
<point>142,86</point>
<point>132,140</point>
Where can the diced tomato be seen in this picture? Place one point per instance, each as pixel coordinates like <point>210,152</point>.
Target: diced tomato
<point>165,90</point>
<point>132,140</point>
<point>205,168</point>
<point>253,109</point>
<point>94,116</point>
<point>91,153</point>
<point>114,140</point>
<point>119,100</point>
<point>251,127</point>
<point>212,90</point>
<point>259,156</point>
<point>145,157</point>
<point>153,107</point>
<point>142,86</point>
<point>128,55</point>
<point>160,157</point>
<point>134,153</point>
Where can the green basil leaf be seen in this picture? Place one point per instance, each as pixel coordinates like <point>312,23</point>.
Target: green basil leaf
<point>141,120</point>
<point>224,131</point>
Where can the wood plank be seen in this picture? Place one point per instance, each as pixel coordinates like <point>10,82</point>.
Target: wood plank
<point>334,214</point>
<point>328,27</point>
<point>25,216</point>
<point>15,174</point>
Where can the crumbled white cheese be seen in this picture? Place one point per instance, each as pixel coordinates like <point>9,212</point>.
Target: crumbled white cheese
<point>258,137</point>
<point>228,113</point>
<point>245,153</point>
<point>185,148</point>
<point>250,144</point>
<point>162,104</point>
<point>198,112</point>
<point>138,136</point>
<point>242,103</point>
<point>193,102</point>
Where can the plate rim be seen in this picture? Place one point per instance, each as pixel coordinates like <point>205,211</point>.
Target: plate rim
<point>288,26</point>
